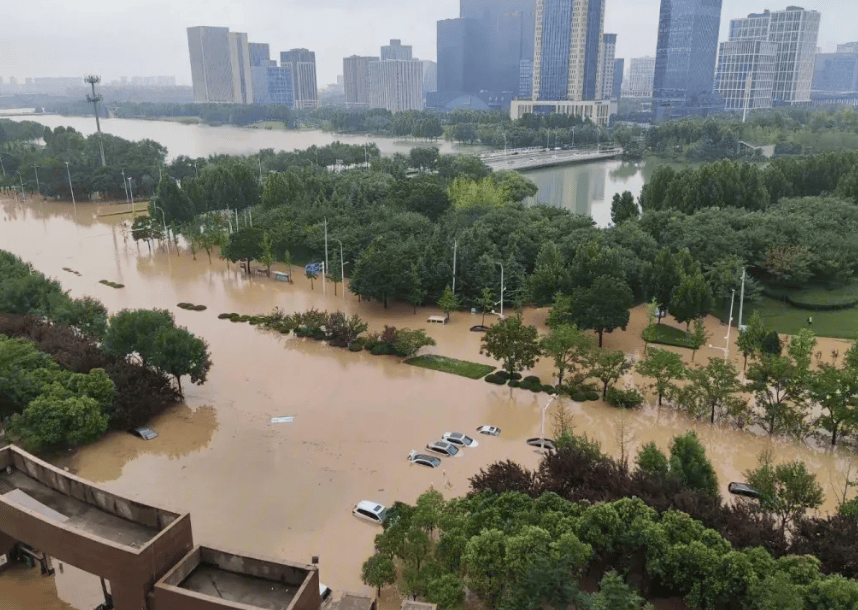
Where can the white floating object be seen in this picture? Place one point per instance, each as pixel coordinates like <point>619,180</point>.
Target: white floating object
<point>282,420</point>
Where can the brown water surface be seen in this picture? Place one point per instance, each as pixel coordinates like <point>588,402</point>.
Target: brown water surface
<point>287,490</point>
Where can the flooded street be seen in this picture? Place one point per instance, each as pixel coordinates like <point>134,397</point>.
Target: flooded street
<point>287,490</point>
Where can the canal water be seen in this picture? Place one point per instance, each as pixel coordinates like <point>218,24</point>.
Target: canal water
<point>287,490</point>
<point>584,189</point>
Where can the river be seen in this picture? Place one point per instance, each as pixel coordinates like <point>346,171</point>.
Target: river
<point>286,490</point>
<point>584,189</point>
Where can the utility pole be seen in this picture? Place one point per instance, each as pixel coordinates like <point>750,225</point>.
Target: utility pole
<point>502,289</point>
<point>71,188</point>
<point>125,185</point>
<point>131,192</point>
<point>327,264</point>
<point>455,253</point>
<point>742,299</point>
<point>94,99</point>
<point>38,187</point>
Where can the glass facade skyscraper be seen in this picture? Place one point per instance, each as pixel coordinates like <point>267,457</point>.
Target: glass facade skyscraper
<point>685,57</point>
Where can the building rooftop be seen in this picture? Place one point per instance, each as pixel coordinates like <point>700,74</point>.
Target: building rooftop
<point>242,588</point>
<point>348,601</point>
<point>19,488</point>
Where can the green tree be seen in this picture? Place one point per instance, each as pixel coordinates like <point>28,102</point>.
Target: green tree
<point>691,298</point>
<point>697,336</point>
<point>484,565</point>
<point>836,392</point>
<point>448,302</point>
<point>468,194</point>
<point>409,342</point>
<point>513,343</point>
<point>311,275</point>
<point>570,349</point>
<point>750,339</point>
<point>603,306</point>
<point>378,571</point>
<point>623,208</point>
<point>174,202</point>
<point>549,274</point>
<point>713,391</point>
<point>786,490</point>
<point>660,278</point>
<point>614,594</point>
<point>447,591</point>
<point>663,367</point>
<point>244,245</point>
<point>53,420</point>
<point>136,331</point>
<point>652,461</point>
<point>486,302</point>
<point>266,256</point>
<point>688,461</point>
<point>607,366</point>
<point>178,353</point>
<point>86,314</point>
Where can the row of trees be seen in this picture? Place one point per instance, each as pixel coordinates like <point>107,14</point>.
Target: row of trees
<point>67,372</point>
<point>525,539</point>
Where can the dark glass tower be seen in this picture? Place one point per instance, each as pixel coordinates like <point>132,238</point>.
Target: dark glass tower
<point>685,57</point>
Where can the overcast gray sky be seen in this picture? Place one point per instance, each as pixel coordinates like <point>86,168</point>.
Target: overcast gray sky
<point>147,37</point>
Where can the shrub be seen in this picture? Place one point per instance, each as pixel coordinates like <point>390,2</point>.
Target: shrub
<point>579,396</point>
<point>199,307</point>
<point>371,340</point>
<point>354,347</point>
<point>225,316</point>
<point>533,379</point>
<point>409,342</point>
<point>318,334</point>
<point>549,389</point>
<point>495,379</point>
<point>535,388</point>
<point>516,377</point>
<point>502,375</point>
<point>359,343</point>
<point>624,399</point>
<point>381,349</point>
<point>591,395</point>
<point>514,383</point>
<point>302,331</point>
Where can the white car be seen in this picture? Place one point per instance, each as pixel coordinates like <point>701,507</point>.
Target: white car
<point>370,511</point>
<point>429,461</point>
<point>457,438</point>
<point>542,443</point>
<point>490,430</point>
<point>443,448</point>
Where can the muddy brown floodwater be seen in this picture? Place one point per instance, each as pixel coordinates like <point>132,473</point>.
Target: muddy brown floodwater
<point>287,490</point>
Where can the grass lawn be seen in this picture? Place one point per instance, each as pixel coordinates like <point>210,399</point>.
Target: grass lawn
<point>786,319</point>
<point>666,335</point>
<point>471,370</point>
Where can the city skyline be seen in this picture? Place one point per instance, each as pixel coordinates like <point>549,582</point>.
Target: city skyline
<point>334,29</point>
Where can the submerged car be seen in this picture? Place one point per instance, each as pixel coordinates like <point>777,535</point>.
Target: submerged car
<point>443,448</point>
<point>424,460</point>
<point>147,434</point>
<point>457,438</point>
<point>743,489</point>
<point>370,511</point>
<point>542,443</point>
<point>490,430</point>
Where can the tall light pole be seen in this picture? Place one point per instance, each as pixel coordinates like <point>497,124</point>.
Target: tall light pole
<point>38,186</point>
<point>71,188</point>
<point>131,193</point>
<point>726,348</point>
<point>544,409</point>
<point>164,220</point>
<point>94,99</point>
<point>502,289</point>
<point>742,299</point>
<point>124,185</point>
<point>455,254</point>
<point>327,263</point>
<point>21,178</point>
<point>342,268</point>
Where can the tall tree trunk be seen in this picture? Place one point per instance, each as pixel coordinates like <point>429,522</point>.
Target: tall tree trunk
<point>179,382</point>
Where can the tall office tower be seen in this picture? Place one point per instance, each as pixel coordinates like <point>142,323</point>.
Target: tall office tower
<point>430,76</point>
<point>641,75</point>
<point>220,65</point>
<point>836,72</point>
<point>461,52</point>
<point>260,59</point>
<point>685,57</point>
<point>745,74</point>
<point>525,82</point>
<point>396,84</point>
<point>617,85</point>
<point>794,33</point>
<point>303,66</point>
<point>395,50</point>
<point>356,80</point>
<point>568,41</point>
<point>849,47</point>
<point>279,83</point>
<point>605,82</point>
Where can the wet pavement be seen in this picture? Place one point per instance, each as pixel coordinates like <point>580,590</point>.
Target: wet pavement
<point>287,490</point>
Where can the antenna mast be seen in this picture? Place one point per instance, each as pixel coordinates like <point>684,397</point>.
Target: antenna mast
<point>94,99</point>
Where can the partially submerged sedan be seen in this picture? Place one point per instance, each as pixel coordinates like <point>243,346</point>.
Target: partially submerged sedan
<point>429,461</point>
<point>370,511</point>
<point>147,434</point>
<point>743,489</point>
<point>443,448</point>
<point>459,439</point>
<point>542,443</point>
<point>490,430</point>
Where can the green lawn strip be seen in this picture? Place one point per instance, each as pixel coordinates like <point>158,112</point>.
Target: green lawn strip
<point>818,297</point>
<point>471,370</point>
<point>787,320</point>
<point>666,335</point>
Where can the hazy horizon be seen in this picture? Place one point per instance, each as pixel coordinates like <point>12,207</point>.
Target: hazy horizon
<point>149,38</point>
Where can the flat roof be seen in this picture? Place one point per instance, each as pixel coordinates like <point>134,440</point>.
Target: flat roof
<point>208,579</point>
<point>86,517</point>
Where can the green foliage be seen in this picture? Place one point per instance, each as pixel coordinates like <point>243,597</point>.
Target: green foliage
<point>448,301</point>
<point>623,399</point>
<point>623,208</point>
<point>786,490</point>
<point>471,370</point>
<point>409,342</point>
<point>53,420</point>
<point>571,351</point>
<point>713,392</point>
<point>663,367</point>
<point>378,571</point>
<point>468,194</point>
<point>178,352</point>
<point>513,343</point>
<point>603,306</point>
<point>652,461</point>
<point>689,463</point>
<point>135,332</point>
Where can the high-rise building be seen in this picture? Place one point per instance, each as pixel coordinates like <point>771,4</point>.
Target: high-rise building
<point>783,51</point>
<point>220,65</point>
<point>481,51</point>
<point>640,78</point>
<point>685,57</point>
<point>605,80</point>
<point>396,83</point>
<point>568,42</point>
<point>260,60</point>
<point>849,47</point>
<point>279,83</point>
<point>303,67</point>
<point>356,80</point>
<point>567,68</point>
<point>525,83</point>
<point>836,72</point>
<point>430,76</point>
<point>745,75</point>
<point>617,85</point>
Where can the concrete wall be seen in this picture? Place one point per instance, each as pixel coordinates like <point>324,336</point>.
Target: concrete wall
<point>131,572</point>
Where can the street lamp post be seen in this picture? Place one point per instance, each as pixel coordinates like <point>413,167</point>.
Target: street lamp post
<point>542,432</point>
<point>131,192</point>
<point>21,178</point>
<point>164,220</point>
<point>726,348</point>
<point>502,289</point>
<point>342,267</point>
<point>124,185</point>
<point>71,188</point>
<point>38,186</point>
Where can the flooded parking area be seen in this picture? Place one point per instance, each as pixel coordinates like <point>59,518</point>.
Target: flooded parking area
<point>286,490</point>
